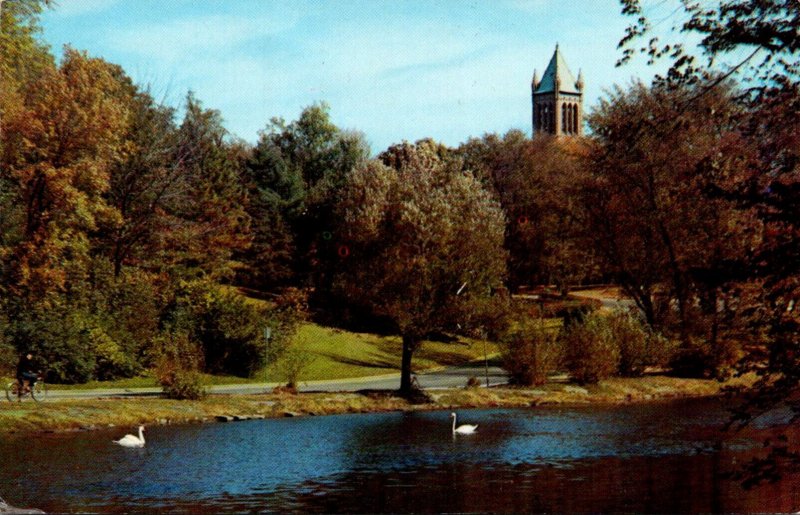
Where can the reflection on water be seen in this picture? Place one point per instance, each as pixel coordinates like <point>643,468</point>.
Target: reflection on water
<point>650,458</point>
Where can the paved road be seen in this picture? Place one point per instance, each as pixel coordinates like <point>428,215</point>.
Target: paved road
<point>447,378</point>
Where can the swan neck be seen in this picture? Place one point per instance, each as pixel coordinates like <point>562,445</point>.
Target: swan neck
<point>454,423</point>
<point>141,435</point>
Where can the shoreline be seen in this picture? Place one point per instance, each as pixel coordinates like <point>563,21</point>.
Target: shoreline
<point>93,414</point>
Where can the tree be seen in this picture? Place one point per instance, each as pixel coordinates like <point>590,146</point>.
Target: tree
<point>296,173</point>
<point>22,56</point>
<point>660,235</point>
<point>422,244</point>
<point>212,223</point>
<point>58,150</point>
<point>769,187</point>
<point>147,185</point>
<point>536,182</point>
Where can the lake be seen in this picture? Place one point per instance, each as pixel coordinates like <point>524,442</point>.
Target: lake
<point>659,457</point>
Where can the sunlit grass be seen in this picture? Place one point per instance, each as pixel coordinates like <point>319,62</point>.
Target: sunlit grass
<point>338,354</point>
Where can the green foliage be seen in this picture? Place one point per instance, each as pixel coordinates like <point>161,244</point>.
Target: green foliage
<point>284,320</point>
<point>8,353</point>
<point>213,222</point>
<point>111,361</point>
<point>59,339</point>
<point>292,362</point>
<point>531,352</point>
<point>294,178</point>
<point>177,364</point>
<point>22,54</point>
<point>228,329</point>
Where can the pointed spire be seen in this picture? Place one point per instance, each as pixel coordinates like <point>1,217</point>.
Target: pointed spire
<point>579,82</point>
<point>535,80</point>
<point>557,76</point>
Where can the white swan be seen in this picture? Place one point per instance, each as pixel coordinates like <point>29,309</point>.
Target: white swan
<point>131,440</point>
<point>464,429</point>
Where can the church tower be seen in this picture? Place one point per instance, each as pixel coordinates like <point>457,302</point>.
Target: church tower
<point>557,99</point>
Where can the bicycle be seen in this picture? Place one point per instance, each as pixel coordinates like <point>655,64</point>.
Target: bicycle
<point>38,391</point>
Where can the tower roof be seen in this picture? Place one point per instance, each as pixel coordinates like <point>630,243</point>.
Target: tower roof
<point>557,71</point>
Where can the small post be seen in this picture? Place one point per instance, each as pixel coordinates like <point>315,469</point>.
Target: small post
<point>267,336</point>
<point>485,357</point>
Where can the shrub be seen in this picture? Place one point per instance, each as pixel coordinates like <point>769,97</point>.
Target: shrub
<point>177,362</point>
<point>228,328</point>
<point>110,360</point>
<point>8,359</point>
<point>633,340</point>
<point>530,353</point>
<point>8,353</point>
<point>291,365</point>
<point>132,310</point>
<point>701,359</point>
<point>58,339</point>
<point>291,309</point>
<point>591,352</point>
<point>473,382</point>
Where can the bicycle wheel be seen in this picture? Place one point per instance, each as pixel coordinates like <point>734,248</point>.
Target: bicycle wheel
<point>39,391</point>
<point>12,389</point>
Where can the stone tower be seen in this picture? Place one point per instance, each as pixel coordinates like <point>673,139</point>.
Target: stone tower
<point>557,99</point>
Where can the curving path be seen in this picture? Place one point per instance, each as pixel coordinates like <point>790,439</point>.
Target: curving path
<point>447,378</point>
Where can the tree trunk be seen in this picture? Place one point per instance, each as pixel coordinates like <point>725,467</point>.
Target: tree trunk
<point>409,344</point>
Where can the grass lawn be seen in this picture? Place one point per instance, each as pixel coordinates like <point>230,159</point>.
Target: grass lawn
<point>338,354</point>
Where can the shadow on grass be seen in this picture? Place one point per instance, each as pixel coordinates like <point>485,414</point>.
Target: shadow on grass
<point>375,362</point>
<point>443,358</point>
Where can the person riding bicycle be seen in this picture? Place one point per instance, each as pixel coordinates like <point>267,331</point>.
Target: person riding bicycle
<point>26,373</point>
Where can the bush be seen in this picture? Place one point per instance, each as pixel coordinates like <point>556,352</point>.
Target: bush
<point>229,329</point>
<point>8,359</point>
<point>473,382</point>
<point>291,365</point>
<point>530,354</point>
<point>59,341</point>
<point>291,310</point>
<point>591,352</point>
<point>701,359</point>
<point>633,340</point>
<point>110,360</point>
<point>177,362</point>
<point>8,353</point>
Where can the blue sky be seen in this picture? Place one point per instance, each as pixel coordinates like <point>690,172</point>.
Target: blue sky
<point>395,70</point>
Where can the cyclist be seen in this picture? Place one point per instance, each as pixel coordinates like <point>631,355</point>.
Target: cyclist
<point>26,373</point>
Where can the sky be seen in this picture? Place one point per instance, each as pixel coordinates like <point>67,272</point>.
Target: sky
<point>392,69</point>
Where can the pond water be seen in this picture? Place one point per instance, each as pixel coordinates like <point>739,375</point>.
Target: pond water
<point>661,457</point>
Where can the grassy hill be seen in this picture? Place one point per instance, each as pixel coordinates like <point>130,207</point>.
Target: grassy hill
<point>337,354</point>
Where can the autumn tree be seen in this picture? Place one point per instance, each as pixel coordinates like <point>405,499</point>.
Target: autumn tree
<point>22,60</point>
<point>422,244</point>
<point>211,223</point>
<point>147,185</point>
<point>657,231</point>
<point>536,183</point>
<point>58,151</point>
<point>758,41</point>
